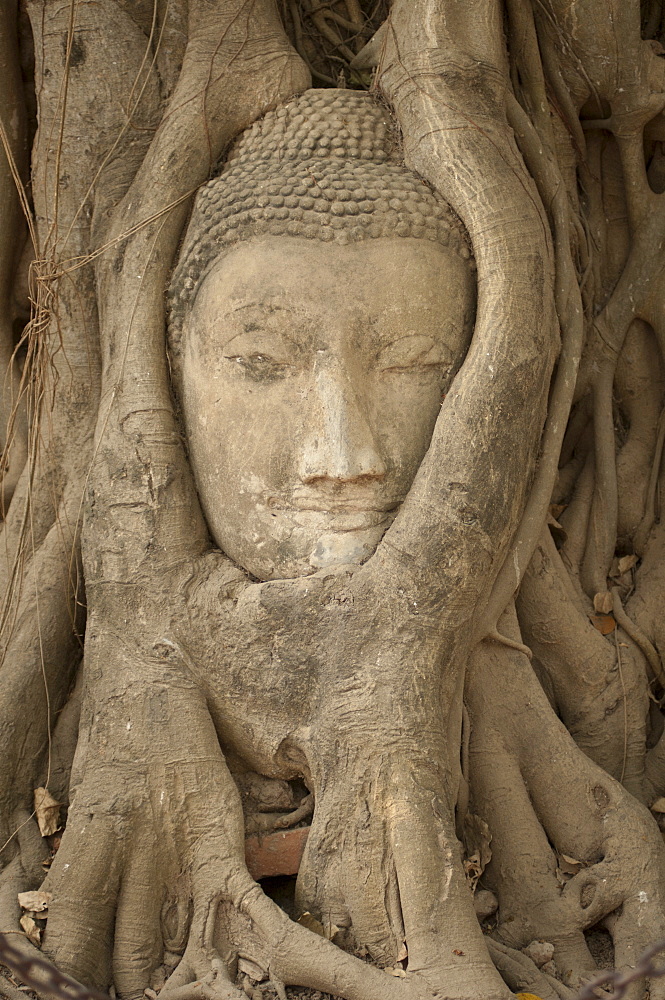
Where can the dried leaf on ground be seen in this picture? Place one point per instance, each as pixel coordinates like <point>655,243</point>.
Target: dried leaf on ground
<point>567,867</point>
<point>477,839</point>
<point>626,563</point>
<point>32,931</point>
<point>604,623</point>
<point>312,924</point>
<point>602,602</point>
<point>47,811</point>
<point>36,901</point>
<point>251,969</point>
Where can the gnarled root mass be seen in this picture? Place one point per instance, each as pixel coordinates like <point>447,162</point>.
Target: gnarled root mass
<point>492,676</point>
<point>152,859</point>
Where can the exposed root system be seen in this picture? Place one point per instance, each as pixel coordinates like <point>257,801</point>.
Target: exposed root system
<point>477,708</point>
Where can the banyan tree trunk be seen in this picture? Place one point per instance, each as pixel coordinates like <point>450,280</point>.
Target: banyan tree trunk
<point>510,729</point>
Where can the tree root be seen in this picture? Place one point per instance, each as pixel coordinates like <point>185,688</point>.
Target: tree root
<point>582,670</point>
<point>399,831</point>
<point>523,976</point>
<point>142,822</point>
<point>542,800</point>
<point>639,638</point>
<point>266,822</point>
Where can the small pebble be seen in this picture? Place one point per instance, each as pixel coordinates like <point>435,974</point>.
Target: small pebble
<point>485,904</point>
<point>540,952</point>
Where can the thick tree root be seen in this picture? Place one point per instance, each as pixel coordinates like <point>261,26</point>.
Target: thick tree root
<point>155,812</point>
<point>123,850</point>
<point>603,703</point>
<point>523,976</point>
<point>386,863</point>
<point>546,802</point>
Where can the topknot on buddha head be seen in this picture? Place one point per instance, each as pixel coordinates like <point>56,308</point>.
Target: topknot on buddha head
<point>326,166</point>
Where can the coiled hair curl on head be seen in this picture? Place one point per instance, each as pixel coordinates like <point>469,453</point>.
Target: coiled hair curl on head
<point>326,166</point>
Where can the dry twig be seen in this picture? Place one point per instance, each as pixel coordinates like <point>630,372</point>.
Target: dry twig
<point>620,979</point>
<point>41,975</point>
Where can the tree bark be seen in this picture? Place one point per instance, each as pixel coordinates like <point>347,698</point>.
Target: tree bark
<point>493,670</point>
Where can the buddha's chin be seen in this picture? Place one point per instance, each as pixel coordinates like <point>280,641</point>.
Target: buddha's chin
<point>336,548</point>
<point>303,553</point>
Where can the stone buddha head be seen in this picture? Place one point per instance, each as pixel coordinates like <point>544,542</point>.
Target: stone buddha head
<point>322,303</point>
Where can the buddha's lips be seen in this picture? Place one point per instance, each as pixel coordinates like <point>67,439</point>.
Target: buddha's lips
<point>328,515</point>
<point>358,520</point>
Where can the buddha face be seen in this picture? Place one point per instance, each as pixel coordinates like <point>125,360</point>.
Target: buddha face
<point>311,379</point>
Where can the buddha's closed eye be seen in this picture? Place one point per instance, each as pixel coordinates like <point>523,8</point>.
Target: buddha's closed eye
<point>261,355</point>
<point>261,366</point>
<point>413,353</point>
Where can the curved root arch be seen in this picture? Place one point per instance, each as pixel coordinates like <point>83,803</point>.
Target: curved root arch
<point>538,139</point>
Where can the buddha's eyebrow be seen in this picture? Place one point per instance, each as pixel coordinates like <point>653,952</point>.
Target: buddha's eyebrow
<point>264,306</point>
<point>251,327</point>
<point>266,309</point>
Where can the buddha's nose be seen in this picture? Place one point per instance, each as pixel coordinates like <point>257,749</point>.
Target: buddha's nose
<point>339,445</point>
